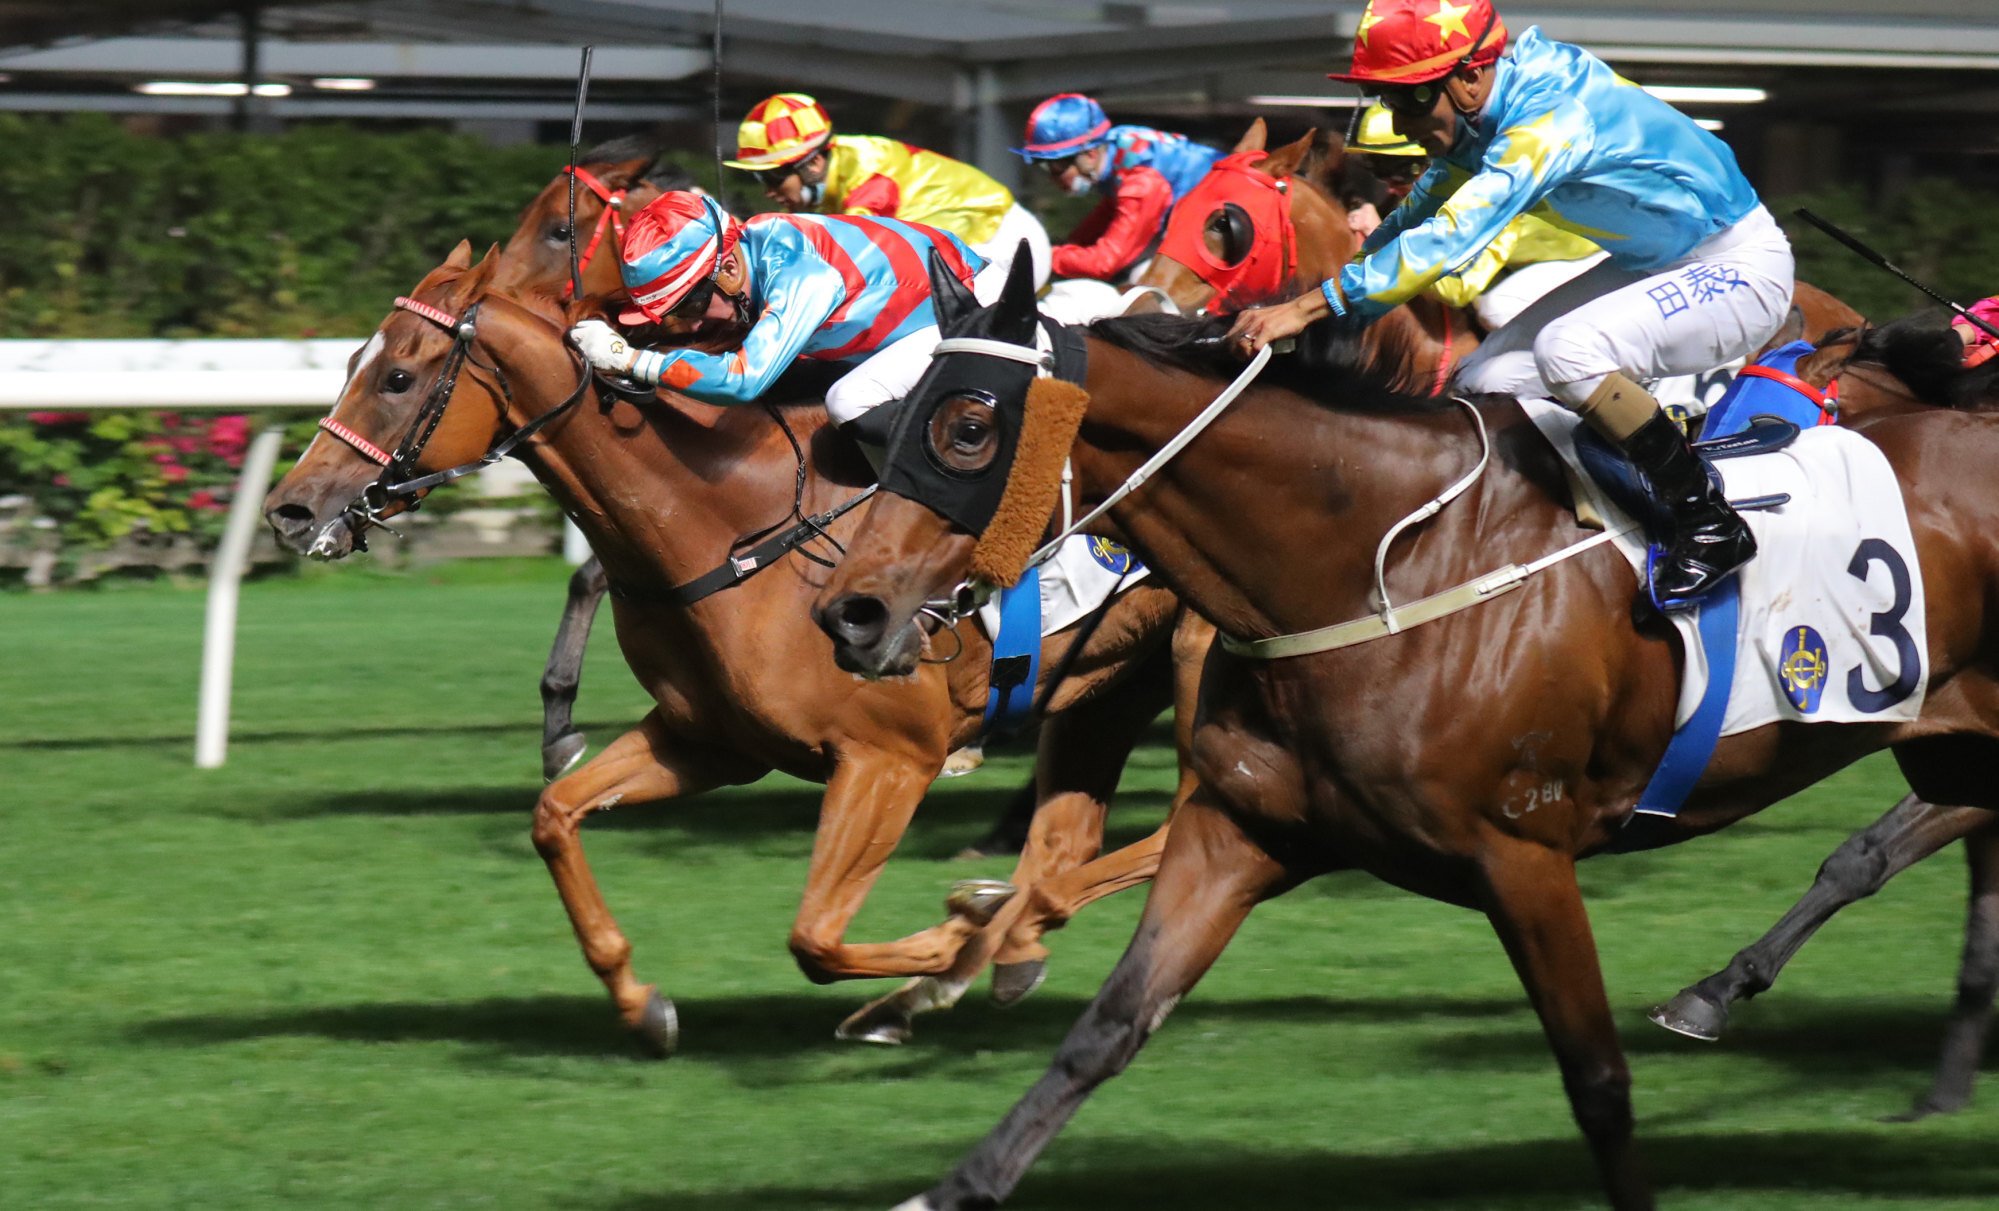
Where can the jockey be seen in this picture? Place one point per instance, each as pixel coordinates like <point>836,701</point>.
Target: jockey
<point>1697,274</point>
<point>787,141</point>
<point>1522,263</point>
<point>1139,171</point>
<point>777,288</point>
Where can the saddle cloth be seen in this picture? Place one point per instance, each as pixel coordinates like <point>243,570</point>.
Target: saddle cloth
<point>1832,610</point>
<point>1075,581</point>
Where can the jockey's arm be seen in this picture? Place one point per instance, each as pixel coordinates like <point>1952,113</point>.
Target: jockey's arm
<point>1143,198</point>
<point>878,195</point>
<point>1460,288</point>
<point>1521,166</point>
<point>1093,223</point>
<point>799,303</point>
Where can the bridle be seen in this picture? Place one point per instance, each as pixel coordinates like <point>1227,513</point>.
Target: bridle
<point>398,482</point>
<point>612,216</point>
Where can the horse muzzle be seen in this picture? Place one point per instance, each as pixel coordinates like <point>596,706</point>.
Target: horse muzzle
<point>864,639</point>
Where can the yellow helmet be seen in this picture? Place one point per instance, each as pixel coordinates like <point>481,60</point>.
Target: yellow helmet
<point>1377,136</point>
<point>781,130</point>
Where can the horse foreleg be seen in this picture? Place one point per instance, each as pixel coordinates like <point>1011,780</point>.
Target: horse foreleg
<point>1534,904</point>
<point>1964,1037</point>
<point>868,804</point>
<point>561,744</point>
<point>1210,879</point>
<point>1911,831</point>
<point>644,764</point>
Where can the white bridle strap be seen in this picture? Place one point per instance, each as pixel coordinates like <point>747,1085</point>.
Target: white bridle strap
<point>1165,455</point>
<point>1006,349</point>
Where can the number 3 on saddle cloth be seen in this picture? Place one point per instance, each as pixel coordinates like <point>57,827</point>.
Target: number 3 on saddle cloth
<point>1826,624</point>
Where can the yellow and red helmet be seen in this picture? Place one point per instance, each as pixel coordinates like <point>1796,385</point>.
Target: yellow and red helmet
<point>1416,41</point>
<point>780,130</point>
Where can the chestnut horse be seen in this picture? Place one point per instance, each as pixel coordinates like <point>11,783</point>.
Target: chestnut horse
<point>1524,728</point>
<point>663,488</point>
<point>1232,224</point>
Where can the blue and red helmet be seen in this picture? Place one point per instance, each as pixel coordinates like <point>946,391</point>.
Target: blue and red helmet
<point>1063,125</point>
<point>672,245</point>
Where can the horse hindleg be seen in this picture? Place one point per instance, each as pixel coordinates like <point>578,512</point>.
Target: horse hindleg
<point>1537,910</point>
<point>1911,831</point>
<point>561,744</point>
<point>643,765</point>
<point>1209,881</point>
<point>1964,1037</point>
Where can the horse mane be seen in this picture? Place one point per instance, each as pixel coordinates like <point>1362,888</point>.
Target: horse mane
<point>1331,366</point>
<point>648,147</point>
<point>1925,353</point>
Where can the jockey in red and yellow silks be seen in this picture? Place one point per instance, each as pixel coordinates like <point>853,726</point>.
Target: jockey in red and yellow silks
<point>789,143</point>
<point>1141,171</point>
<point>843,288</point>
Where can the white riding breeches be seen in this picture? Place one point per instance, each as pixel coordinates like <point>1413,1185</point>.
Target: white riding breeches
<point>891,372</point>
<point>1717,304</point>
<point>1016,225</point>
<point>1512,294</point>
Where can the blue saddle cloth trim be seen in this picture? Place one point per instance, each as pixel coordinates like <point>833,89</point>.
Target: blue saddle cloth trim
<point>1016,655</point>
<point>1692,746</point>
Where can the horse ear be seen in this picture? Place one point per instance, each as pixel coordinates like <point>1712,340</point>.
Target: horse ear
<point>1285,160</point>
<point>950,298</point>
<point>1014,314</point>
<point>1253,138</point>
<point>461,256</point>
<point>1793,329</point>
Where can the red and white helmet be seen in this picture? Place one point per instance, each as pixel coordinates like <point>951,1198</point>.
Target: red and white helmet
<point>671,246</point>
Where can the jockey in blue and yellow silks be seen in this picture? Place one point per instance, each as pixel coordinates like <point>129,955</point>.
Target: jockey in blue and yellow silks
<point>1698,274</point>
<point>830,287</point>
<point>1141,172</point>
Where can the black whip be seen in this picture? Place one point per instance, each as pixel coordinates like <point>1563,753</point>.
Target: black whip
<point>575,143</point>
<point>1876,259</point>
<point>720,184</point>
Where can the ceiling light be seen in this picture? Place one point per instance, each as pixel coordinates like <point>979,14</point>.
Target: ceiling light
<point>209,88</point>
<point>1709,94</point>
<point>345,84</point>
<point>1708,123</point>
<point>1314,102</point>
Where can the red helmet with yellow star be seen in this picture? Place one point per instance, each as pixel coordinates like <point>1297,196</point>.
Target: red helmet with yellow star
<point>1416,41</point>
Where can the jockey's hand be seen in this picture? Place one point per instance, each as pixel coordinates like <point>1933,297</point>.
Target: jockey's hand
<point>604,347</point>
<point>1259,326</point>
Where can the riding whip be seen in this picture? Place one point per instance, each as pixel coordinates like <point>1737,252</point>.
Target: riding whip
<point>1874,258</point>
<point>575,140</point>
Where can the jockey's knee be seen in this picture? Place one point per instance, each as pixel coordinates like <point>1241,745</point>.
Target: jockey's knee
<point>1573,359</point>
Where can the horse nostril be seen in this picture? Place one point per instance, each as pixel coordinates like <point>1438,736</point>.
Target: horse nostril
<point>860,620</point>
<point>290,520</point>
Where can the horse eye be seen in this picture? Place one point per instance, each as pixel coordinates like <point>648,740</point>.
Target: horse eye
<point>559,233</point>
<point>398,381</point>
<point>970,433</point>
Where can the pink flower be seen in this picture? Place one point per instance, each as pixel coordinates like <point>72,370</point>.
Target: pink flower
<point>205,501</point>
<point>59,480</point>
<point>183,445</point>
<point>58,418</point>
<point>173,472</point>
<point>165,457</point>
<point>229,435</point>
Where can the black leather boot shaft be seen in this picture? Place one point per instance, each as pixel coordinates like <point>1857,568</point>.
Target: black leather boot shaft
<point>1707,538</point>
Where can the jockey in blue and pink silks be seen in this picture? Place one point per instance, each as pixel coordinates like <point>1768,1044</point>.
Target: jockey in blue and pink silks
<point>1698,274</point>
<point>1139,171</point>
<point>840,288</point>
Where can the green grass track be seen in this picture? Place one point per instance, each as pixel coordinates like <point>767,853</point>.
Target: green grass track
<point>334,973</point>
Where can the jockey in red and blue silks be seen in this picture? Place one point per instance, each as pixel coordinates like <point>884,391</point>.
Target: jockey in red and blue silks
<point>844,288</point>
<point>1141,171</point>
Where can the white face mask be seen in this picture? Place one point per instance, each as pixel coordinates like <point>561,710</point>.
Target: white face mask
<point>1080,182</point>
<point>813,193</point>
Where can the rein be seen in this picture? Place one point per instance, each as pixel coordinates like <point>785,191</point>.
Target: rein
<point>397,483</point>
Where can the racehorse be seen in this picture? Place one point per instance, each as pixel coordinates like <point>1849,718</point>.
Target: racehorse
<point>663,487</point>
<point>1523,729</point>
<point>1258,230</point>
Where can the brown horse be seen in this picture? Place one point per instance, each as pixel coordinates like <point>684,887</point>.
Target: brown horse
<point>1212,224</point>
<point>663,488</point>
<point>1524,728</point>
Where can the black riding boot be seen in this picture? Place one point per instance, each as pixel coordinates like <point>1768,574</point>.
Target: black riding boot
<point>1705,539</point>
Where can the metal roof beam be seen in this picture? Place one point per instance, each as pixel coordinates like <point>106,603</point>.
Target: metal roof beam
<point>388,60</point>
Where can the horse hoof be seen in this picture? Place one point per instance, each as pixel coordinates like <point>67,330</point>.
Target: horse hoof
<point>884,1023</point>
<point>1924,1108</point>
<point>560,755</point>
<point>920,1203</point>
<point>963,761</point>
<point>1692,1015</point>
<point>1013,981</point>
<point>658,1030</point>
<point>978,899</point>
